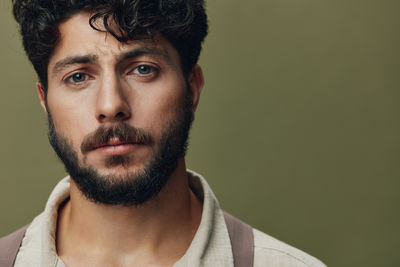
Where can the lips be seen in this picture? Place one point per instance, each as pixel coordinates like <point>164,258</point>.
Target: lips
<point>115,147</point>
<point>115,140</point>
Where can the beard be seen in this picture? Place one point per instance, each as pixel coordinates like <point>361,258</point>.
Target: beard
<point>136,187</point>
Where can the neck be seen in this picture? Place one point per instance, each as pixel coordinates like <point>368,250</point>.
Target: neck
<point>158,231</point>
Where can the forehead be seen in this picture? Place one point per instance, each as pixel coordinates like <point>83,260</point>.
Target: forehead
<point>78,38</point>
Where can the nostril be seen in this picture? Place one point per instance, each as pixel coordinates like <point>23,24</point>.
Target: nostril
<point>120,115</point>
<point>102,117</point>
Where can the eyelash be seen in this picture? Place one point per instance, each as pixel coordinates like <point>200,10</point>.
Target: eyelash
<point>69,78</point>
<point>152,72</point>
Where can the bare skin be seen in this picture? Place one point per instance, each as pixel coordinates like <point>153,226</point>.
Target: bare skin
<point>110,89</point>
<point>155,234</point>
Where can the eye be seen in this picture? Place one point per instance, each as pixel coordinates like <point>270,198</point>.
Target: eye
<point>144,70</point>
<point>78,77</point>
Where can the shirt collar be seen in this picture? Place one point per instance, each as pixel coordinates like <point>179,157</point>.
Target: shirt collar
<point>209,247</point>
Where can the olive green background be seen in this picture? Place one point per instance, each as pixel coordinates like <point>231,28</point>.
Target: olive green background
<point>297,129</point>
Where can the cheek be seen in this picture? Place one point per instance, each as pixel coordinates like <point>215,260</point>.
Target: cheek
<point>69,118</point>
<point>154,110</point>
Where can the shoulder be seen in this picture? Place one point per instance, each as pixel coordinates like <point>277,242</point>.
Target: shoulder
<point>272,252</point>
<point>9,246</point>
<point>14,236</point>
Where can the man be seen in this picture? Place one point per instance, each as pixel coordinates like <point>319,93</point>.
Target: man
<point>120,84</point>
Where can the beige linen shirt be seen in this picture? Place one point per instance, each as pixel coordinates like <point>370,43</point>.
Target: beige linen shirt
<point>210,246</point>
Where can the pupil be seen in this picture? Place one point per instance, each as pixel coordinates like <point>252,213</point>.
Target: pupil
<point>144,69</point>
<point>78,77</point>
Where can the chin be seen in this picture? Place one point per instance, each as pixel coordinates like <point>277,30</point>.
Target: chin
<point>121,171</point>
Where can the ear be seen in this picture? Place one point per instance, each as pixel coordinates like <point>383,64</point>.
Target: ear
<point>196,81</point>
<point>42,96</point>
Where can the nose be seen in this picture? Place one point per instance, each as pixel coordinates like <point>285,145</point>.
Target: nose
<point>112,103</point>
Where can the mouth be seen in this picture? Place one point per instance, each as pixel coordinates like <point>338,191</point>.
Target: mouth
<point>115,147</point>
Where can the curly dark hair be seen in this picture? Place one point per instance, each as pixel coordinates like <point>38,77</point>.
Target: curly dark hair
<point>182,22</point>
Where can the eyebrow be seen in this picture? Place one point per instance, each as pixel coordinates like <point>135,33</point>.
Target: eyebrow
<point>137,52</point>
<point>73,60</point>
<point>152,51</point>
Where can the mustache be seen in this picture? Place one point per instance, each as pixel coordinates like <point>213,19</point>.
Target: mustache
<point>124,132</point>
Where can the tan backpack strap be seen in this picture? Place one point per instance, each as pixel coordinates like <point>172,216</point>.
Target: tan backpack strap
<point>9,246</point>
<point>242,241</point>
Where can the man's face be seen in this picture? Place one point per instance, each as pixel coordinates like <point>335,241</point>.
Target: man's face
<point>119,114</point>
